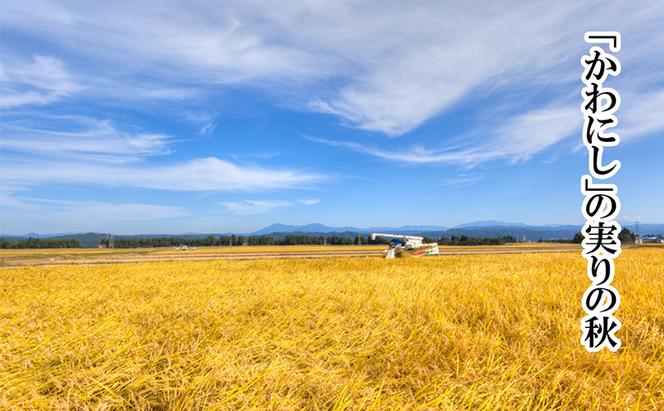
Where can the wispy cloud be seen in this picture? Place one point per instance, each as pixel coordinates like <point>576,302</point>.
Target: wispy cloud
<point>640,115</point>
<point>310,201</point>
<point>413,155</point>
<point>462,180</point>
<point>203,174</point>
<point>108,156</point>
<point>80,137</point>
<point>517,140</point>
<point>217,42</point>
<point>528,134</point>
<point>203,120</point>
<point>522,136</point>
<point>452,53</point>
<point>251,207</point>
<point>40,81</point>
<point>207,129</point>
<point>377,66</point>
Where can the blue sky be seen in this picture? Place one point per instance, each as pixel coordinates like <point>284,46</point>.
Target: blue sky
<point>168,117</point>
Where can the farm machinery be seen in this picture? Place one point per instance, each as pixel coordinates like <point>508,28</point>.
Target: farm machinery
<point>406,245</point>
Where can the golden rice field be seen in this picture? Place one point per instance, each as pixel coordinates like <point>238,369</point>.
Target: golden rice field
<point>481,332</point>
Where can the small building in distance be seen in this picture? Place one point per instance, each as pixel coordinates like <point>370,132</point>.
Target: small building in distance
<point>650,239</point>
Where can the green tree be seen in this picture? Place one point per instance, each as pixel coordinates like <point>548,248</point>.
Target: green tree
<point>626,236</point>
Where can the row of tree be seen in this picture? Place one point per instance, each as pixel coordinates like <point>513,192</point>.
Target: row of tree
<point>291,239</point>
<point>625,237</point>
<point>234,240</point>
<point>40,243</point>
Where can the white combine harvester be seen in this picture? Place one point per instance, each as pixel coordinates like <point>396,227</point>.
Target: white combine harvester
<point>401,245</point>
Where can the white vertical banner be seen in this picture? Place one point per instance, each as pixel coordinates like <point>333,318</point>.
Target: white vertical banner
<point>601,204</point>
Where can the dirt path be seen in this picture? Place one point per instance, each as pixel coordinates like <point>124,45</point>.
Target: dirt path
<point>18,261</point>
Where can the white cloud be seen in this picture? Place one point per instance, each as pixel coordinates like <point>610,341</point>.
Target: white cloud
<point>202,174</point>
<point>251,207</point>
<point>47,73</point>
<point>414,155</point>
<point>517,140</point>
<point>41,81</point>
<point>203,120</point>
<point>446,53</point>
<point>407,65</point>
<point>218,42</point>
<point>524,135</point>
<point>80,137</point>
<point>529,133</point>
<point>84,150</point>
<point>462,180</point>
<point>640,114</point>
<point>378,65</point>
<point>207,129</point>
<point>15,99</point>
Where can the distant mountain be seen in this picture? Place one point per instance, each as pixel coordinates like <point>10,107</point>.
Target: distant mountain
<point>86,239</point>
<point>520,232</point>
<point>37,235</point>
<point>645,229</point>
<point>308,228</point>
<point>321,228</point>
<point>409,228</point>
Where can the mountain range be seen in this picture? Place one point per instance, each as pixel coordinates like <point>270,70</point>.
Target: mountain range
<point>321,228</point>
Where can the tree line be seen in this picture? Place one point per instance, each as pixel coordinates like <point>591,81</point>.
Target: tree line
<point>625,236</point>
<point>40,243</point>
<point>291,239</point>
<point>234,240</point>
